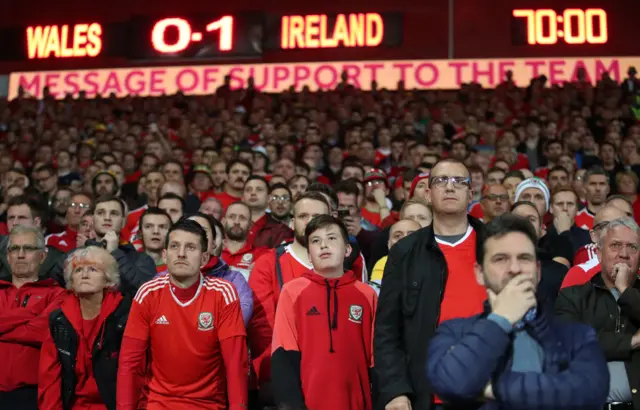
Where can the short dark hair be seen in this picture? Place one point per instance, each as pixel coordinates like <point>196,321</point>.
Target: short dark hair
<point>618,196</point>
<point>346,163</point>
<point>35,207</point>
<point>315,196</point>
<point>210,220</point>
<point>324,221</point>
<point>236,161</point>
<point>348,187</point>
<point>187,225</point>
<point>238,203</point>
<point>94,181</point>
<point>279,186</point>
<point>595,170</point>
<point>171,195</point>
<point>327,190</point>
<point>304,165</point>
<point>527,203</point>
<point>503,225</point>
<point>173,161</point>
<point>110,198</point>
<point>257,178</point>
<point>152,211</point>
<point>558,168</point>
<point>515,173</point>
<point>46,167</point>
<point>496,169</point>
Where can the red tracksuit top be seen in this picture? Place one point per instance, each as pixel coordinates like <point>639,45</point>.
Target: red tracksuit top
<point>323,336</point>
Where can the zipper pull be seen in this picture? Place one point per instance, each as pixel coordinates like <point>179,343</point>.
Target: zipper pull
<point>26,299</point>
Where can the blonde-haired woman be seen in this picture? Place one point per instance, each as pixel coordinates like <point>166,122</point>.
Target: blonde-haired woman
<point>79,357</point>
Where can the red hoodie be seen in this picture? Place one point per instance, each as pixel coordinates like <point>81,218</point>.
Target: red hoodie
<point>24,320</point>
<point>87,394</point>
<point>323,336</point>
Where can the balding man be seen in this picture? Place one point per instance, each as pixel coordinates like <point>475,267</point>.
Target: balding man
<point>582,273</point>
<point>495,202</point>
<point>399,230</point>
<point>428,278</point>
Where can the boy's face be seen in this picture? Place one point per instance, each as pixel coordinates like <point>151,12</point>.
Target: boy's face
<point>327,249</point>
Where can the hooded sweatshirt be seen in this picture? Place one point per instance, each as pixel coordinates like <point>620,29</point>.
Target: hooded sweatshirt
<point>323,336</point>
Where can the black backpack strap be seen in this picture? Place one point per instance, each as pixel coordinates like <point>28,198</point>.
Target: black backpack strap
<point>280,250</point>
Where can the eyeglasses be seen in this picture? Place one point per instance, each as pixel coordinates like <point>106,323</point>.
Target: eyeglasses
<point>281,198</point>
<point>24,248</point>
<point>78,205</point>
<point>375,182</point>
<point>494,197</point>
<point>443,181</point>
<point>631,248</point>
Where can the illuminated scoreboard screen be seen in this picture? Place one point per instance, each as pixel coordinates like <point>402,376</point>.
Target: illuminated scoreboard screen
<point>203,37</point>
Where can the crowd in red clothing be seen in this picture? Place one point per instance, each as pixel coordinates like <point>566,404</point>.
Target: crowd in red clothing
<point>253,170</point>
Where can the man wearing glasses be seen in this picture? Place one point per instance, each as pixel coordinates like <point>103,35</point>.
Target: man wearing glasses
<point>66,241</point>
<point>280,203</point>
<point>26,300</point>
<point>27,212</point>
<point>428,278</point>
<point>495,202</point>
<point>375,207</point>
<point>610,303</point>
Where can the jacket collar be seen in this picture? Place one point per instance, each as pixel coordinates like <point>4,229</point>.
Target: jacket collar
<point>343,280</point>
<point>41,282</point>
<point>218,269</point>
<point>538,328</point>
<point>476,224</point>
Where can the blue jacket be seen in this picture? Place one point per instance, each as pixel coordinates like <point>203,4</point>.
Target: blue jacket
<point>221,270</point>
<point>466,354</point>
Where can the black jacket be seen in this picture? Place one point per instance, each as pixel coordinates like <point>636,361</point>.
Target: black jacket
<point>105,353</point>
<point>578,237</point>
<point>614,323</point>
<point>552,274</point>
<point>135,267</point>
<point>52,266</point>
<point>407,316</point>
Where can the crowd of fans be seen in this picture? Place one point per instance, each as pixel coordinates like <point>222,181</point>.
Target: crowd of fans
<point>216,251</point>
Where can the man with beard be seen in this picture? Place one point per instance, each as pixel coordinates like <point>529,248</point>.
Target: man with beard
<point>238,172</point>
<point>135,268</point>
<point>495,202</point>
<point>237,251</point>
<point>66,241</point>
<point>59,205</point>
<point>280,203</point>
<point>551,364</point>
<point>104,183</point>
<point>596,183</point>
<point>154,226</point>
<point>266,231</point>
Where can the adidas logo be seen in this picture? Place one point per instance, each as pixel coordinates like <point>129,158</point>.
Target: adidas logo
<point>162,320</point>
<point>313,311</point>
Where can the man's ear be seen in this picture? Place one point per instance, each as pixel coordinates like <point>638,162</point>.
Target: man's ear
<point>348,250</point>
<point>204,259</point>
<point>37,221</point>
<point>477,268</point>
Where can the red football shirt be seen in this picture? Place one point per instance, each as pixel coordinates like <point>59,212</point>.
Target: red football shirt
<point>130,230</point>
<point>226,200</point>
<point>187,368</point>
<point>584,219</point>
<point>243,260</point>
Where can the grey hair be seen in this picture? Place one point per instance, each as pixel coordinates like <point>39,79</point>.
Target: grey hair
<point>625,221</point>
<point>24,229</point>
<point>96,256</point>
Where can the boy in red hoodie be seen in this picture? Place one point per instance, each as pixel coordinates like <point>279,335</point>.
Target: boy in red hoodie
<point>323,332</point>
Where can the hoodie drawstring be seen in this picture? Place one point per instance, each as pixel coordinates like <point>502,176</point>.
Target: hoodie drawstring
<point>333,325</point>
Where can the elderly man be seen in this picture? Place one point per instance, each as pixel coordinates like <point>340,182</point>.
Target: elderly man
<point>26,212</point>
<point>610,303</point>
<point>26,300</point>
<point>513,355</point>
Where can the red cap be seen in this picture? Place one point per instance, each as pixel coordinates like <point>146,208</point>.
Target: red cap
<point>414,183</point>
